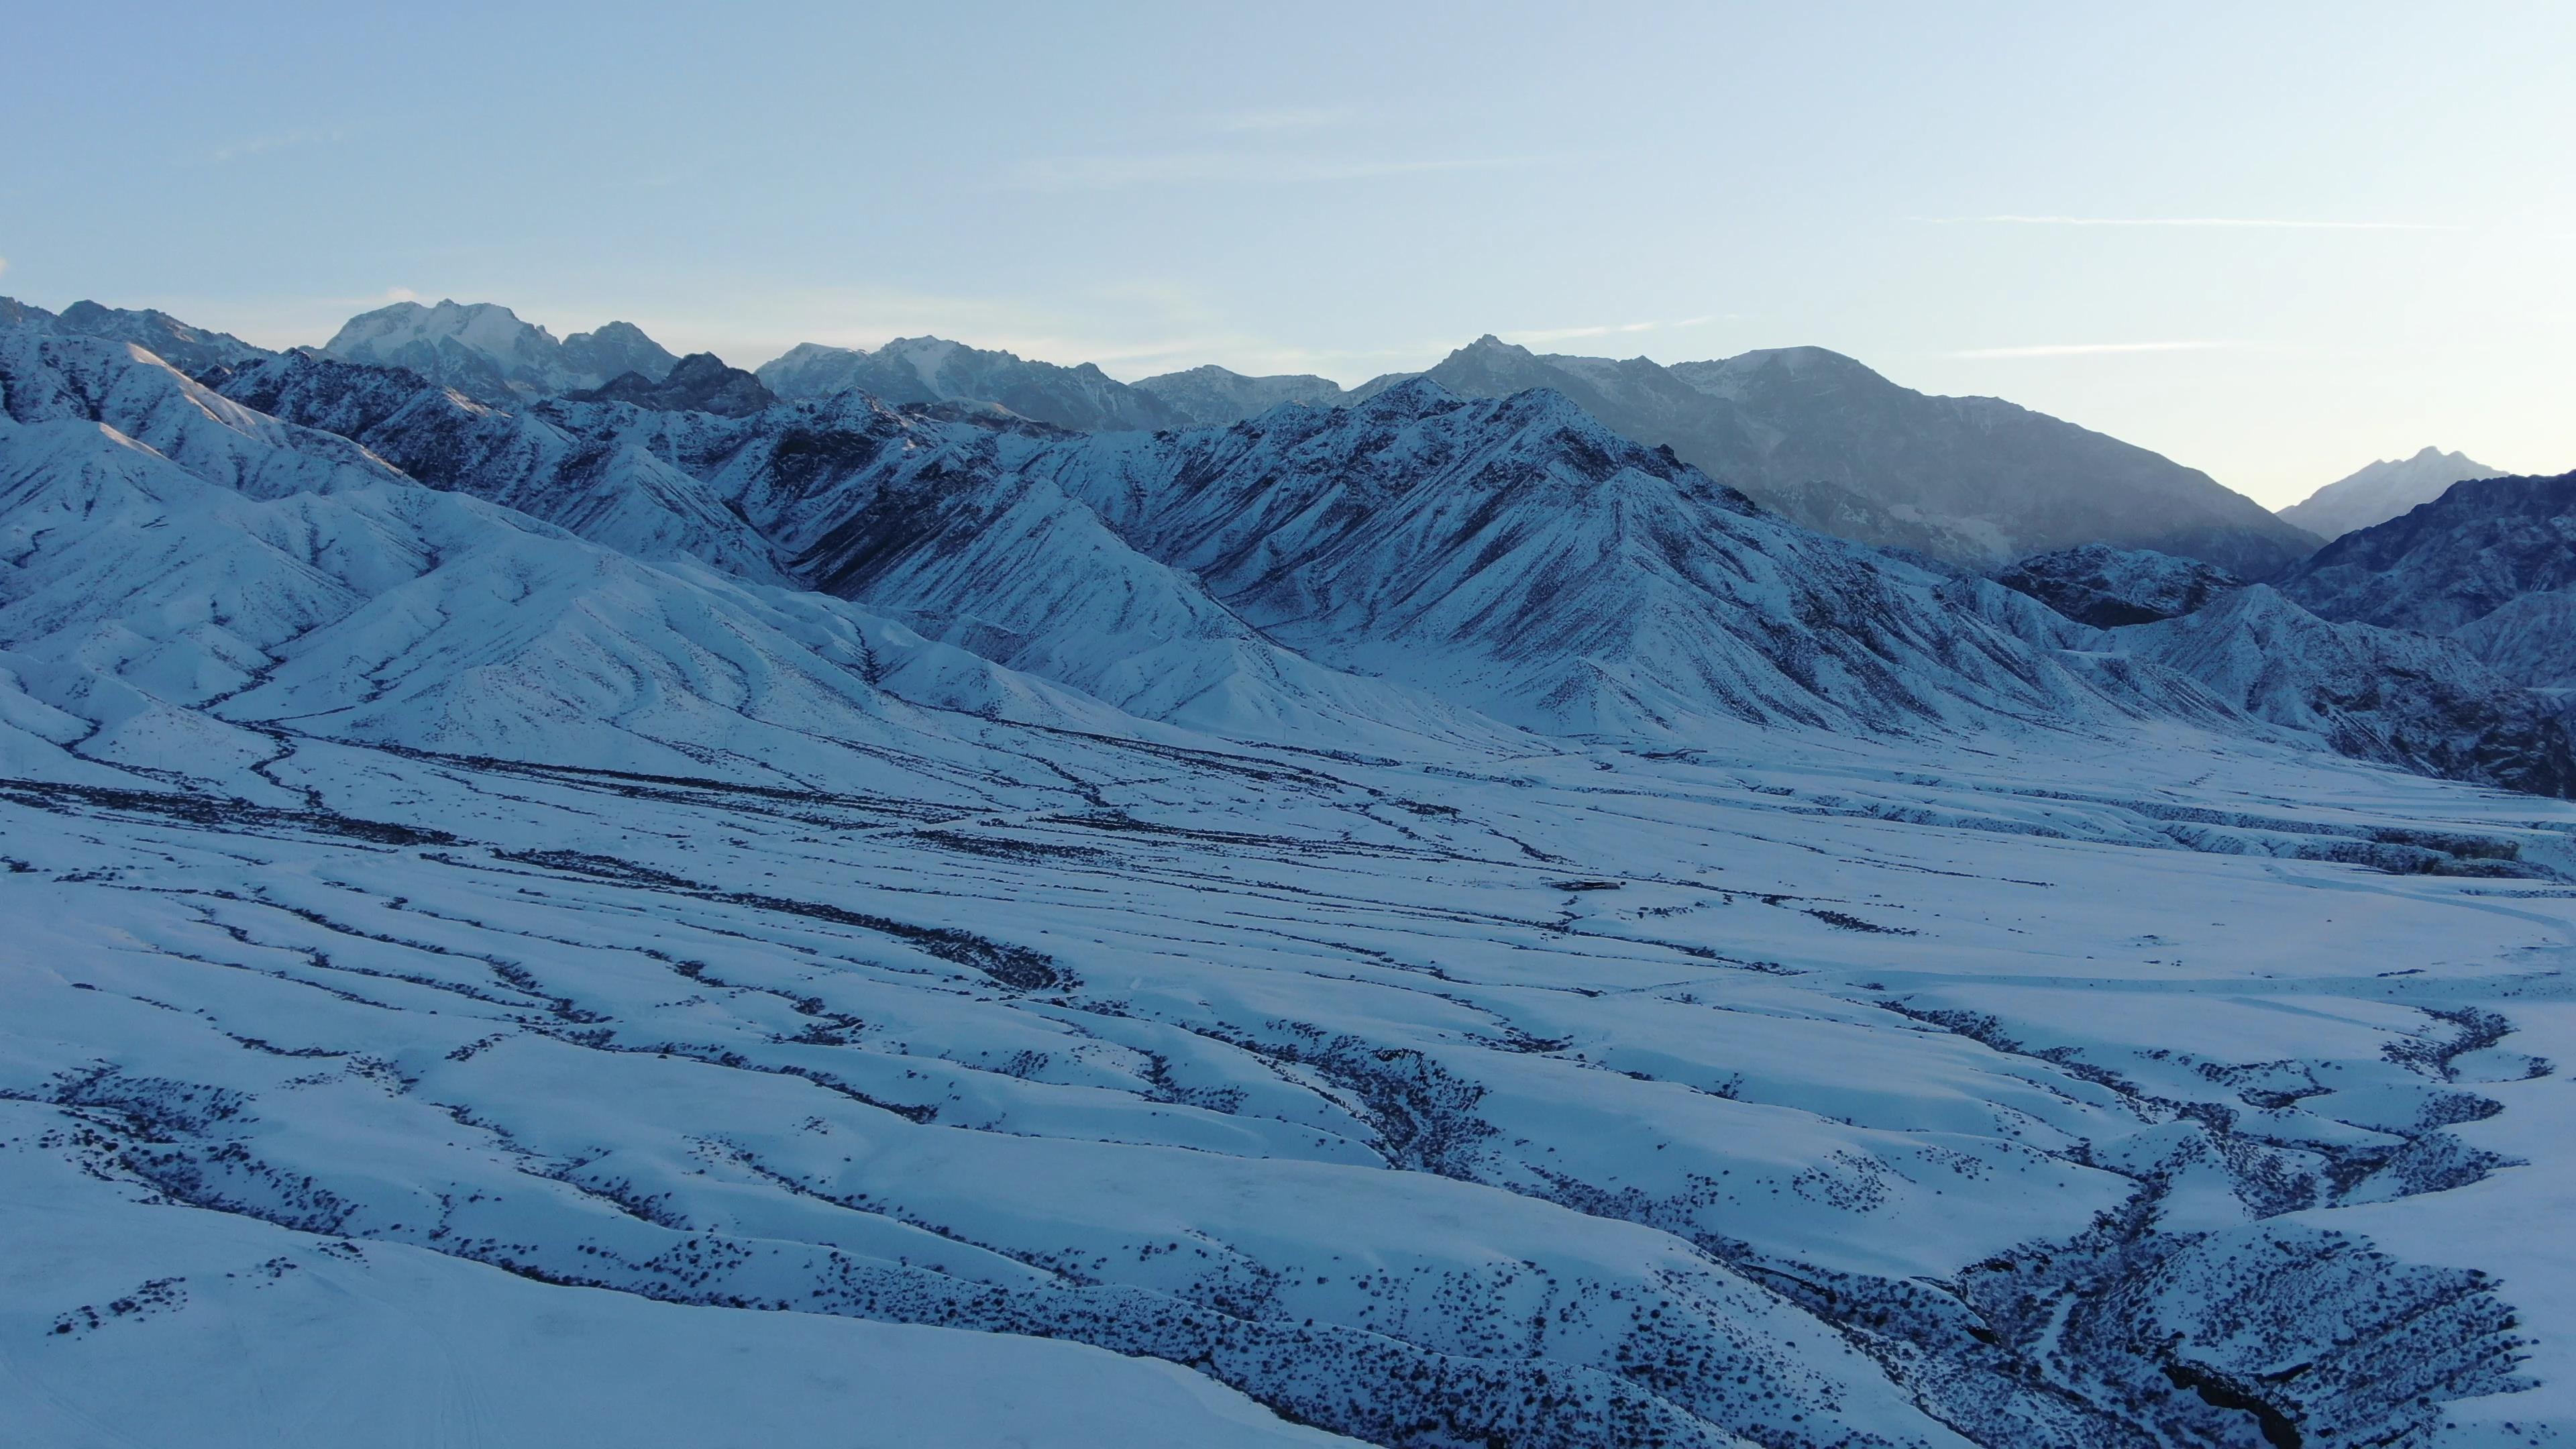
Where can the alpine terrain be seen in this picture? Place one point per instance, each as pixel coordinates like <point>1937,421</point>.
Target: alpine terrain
<point>561,892</point>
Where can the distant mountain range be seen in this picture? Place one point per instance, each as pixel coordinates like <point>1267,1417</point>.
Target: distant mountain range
<point>1813,435</point>
<point>1810,434</point>
<point>2382,491</point>
<point>673,458</point>
<point>934,370</point>
<point>1834,446</point>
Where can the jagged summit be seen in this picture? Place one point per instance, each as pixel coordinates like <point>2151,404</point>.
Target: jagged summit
<point>487,351</point>
<point>188,348</point>
<point>936,370</point>
<point>2383,490</point>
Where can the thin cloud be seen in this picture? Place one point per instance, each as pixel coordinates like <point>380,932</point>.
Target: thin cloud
<point>2251,222</point>
<point>1564,334</point>
<point>259,145</point>
<point>2085,349</point>
<point>1196,168</point>
<point>4,266</point>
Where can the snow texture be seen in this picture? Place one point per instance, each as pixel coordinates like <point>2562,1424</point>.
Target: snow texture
<point>1430,923</point>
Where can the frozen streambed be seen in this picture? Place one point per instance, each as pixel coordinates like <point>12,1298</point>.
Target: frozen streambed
<point>2093,1095</point>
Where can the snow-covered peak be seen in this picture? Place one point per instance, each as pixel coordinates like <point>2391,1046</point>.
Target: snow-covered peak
<point>611,352</point>
<point>487,327</point>
<point>487,351</point>
<point>2382,490</point>
<point>927,356</point>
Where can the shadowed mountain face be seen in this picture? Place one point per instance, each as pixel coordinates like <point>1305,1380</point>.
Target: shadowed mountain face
<point>2382,491</point>
<point>2450,562</point>
<point>2492,563</point>
<point>1215,397</point>
<point>2109,587</point>
<point>700,383</point>
<point>1836,447</point>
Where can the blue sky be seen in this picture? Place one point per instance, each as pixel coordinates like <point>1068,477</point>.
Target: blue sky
<point>2271,241</point>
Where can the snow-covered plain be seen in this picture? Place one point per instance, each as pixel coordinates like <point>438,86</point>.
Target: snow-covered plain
<point>463,984</point>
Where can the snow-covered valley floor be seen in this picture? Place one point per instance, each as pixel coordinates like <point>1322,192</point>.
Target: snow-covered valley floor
<point>2130,1088</point>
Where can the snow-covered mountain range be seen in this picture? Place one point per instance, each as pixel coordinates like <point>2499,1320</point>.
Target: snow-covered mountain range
<point>933,370</point>
<point>1838,448</point>
<point>190,349</point>
<point>1812,434</point>
<point>1212,396</point>
<point>1429,922</point>
<point>2382,491</point>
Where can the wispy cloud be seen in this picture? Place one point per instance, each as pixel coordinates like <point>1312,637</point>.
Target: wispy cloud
<point>2083,349</point>
<point>1195,168</point>
<point>1615,329</point>
<point>2273,223</point>
<point>278,141</point>
<point>4,266</point>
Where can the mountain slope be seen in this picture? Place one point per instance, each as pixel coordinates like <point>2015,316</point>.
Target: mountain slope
<point>2411,700</point>
<point>2530,639</point>
<point>617,495</point>
<point>49,377</point>
<point>176,617</point>
<point>1519,557</point>
<point>939,523</point>
<point>2381,491</point>
<point>933,370</point>
<point>1836,447</point>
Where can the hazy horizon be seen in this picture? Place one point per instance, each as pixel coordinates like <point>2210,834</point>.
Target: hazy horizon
<point>2274,246</point>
